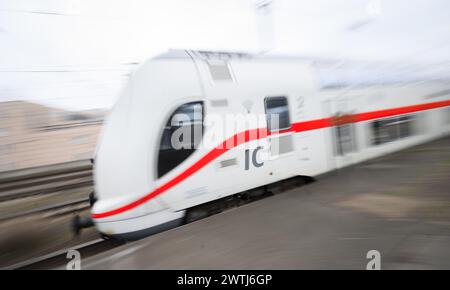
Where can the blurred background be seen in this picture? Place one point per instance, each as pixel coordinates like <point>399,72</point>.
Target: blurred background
<point>63,62</point>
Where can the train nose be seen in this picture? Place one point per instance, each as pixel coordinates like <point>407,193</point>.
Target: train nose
<point>132,218</point>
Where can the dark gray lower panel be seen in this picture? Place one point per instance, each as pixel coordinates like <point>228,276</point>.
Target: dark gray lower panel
<point>131,236</point>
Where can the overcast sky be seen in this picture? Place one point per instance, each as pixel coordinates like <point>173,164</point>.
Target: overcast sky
<point>76,54</point>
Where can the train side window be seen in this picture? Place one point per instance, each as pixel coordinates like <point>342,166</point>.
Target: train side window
<point>277,113</point>
<point>388,130</point>
<point>181,136</point>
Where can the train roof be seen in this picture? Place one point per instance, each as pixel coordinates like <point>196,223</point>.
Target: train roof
<point>332,73</point>
<point>231,55</point>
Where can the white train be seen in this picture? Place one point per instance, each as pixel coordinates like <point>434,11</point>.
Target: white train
<point>145,184</point>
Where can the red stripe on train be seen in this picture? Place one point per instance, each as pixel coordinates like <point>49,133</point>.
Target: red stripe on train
<point>256,134</point>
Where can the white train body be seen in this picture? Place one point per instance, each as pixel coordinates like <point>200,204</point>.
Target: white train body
<point>137,195</point>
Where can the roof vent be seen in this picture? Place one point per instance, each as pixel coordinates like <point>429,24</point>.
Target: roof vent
<point>220,72</point>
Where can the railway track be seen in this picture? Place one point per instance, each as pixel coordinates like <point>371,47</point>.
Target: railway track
<point>55,209</point>
<point>46,179</point>
<point>53,181</point>
<point>49,193</point>
<point>58,259</point>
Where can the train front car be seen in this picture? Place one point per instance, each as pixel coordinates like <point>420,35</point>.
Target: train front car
<point>133,152</point>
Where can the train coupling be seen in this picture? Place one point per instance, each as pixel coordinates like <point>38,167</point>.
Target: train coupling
<point>80,222</point>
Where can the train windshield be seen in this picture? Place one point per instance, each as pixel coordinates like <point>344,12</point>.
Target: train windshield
<point>181,136</point>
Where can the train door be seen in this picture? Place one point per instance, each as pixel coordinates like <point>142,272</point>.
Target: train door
<point>342,137</point>
<point>280,147</point>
